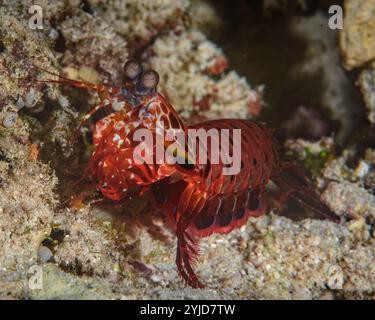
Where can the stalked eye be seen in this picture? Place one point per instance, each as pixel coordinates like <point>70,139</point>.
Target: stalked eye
<point>132,69</point>
<point>149,80</point>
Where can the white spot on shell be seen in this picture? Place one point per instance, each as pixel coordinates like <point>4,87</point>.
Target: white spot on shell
<point>116,137</point>
<point>10,119</point>
<point>20,104</point>
<point>118,106</point>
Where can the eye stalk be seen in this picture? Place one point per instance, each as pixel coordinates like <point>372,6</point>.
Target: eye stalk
<point>132,69</point>
<point>138,84</point>
<point>147,82</point>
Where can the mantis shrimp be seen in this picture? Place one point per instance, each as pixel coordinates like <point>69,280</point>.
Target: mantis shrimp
<point>198,199</point>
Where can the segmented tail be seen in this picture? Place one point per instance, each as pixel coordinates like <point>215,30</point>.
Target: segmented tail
<point>294,184</point>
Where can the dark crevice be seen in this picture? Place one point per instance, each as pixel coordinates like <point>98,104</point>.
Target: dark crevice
<point>60,43</point>
<point>85,6</point>
<point>261,46</point>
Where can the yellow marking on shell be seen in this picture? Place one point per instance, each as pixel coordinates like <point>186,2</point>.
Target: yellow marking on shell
<point>119,125</point>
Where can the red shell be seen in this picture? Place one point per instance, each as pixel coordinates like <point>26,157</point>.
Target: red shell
<point>200,201</point>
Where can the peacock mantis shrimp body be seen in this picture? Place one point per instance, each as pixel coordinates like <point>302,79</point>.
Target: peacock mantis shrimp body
<point>197,198</point>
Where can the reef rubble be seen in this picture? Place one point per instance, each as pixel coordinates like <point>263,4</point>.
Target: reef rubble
<point>99,252</point>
